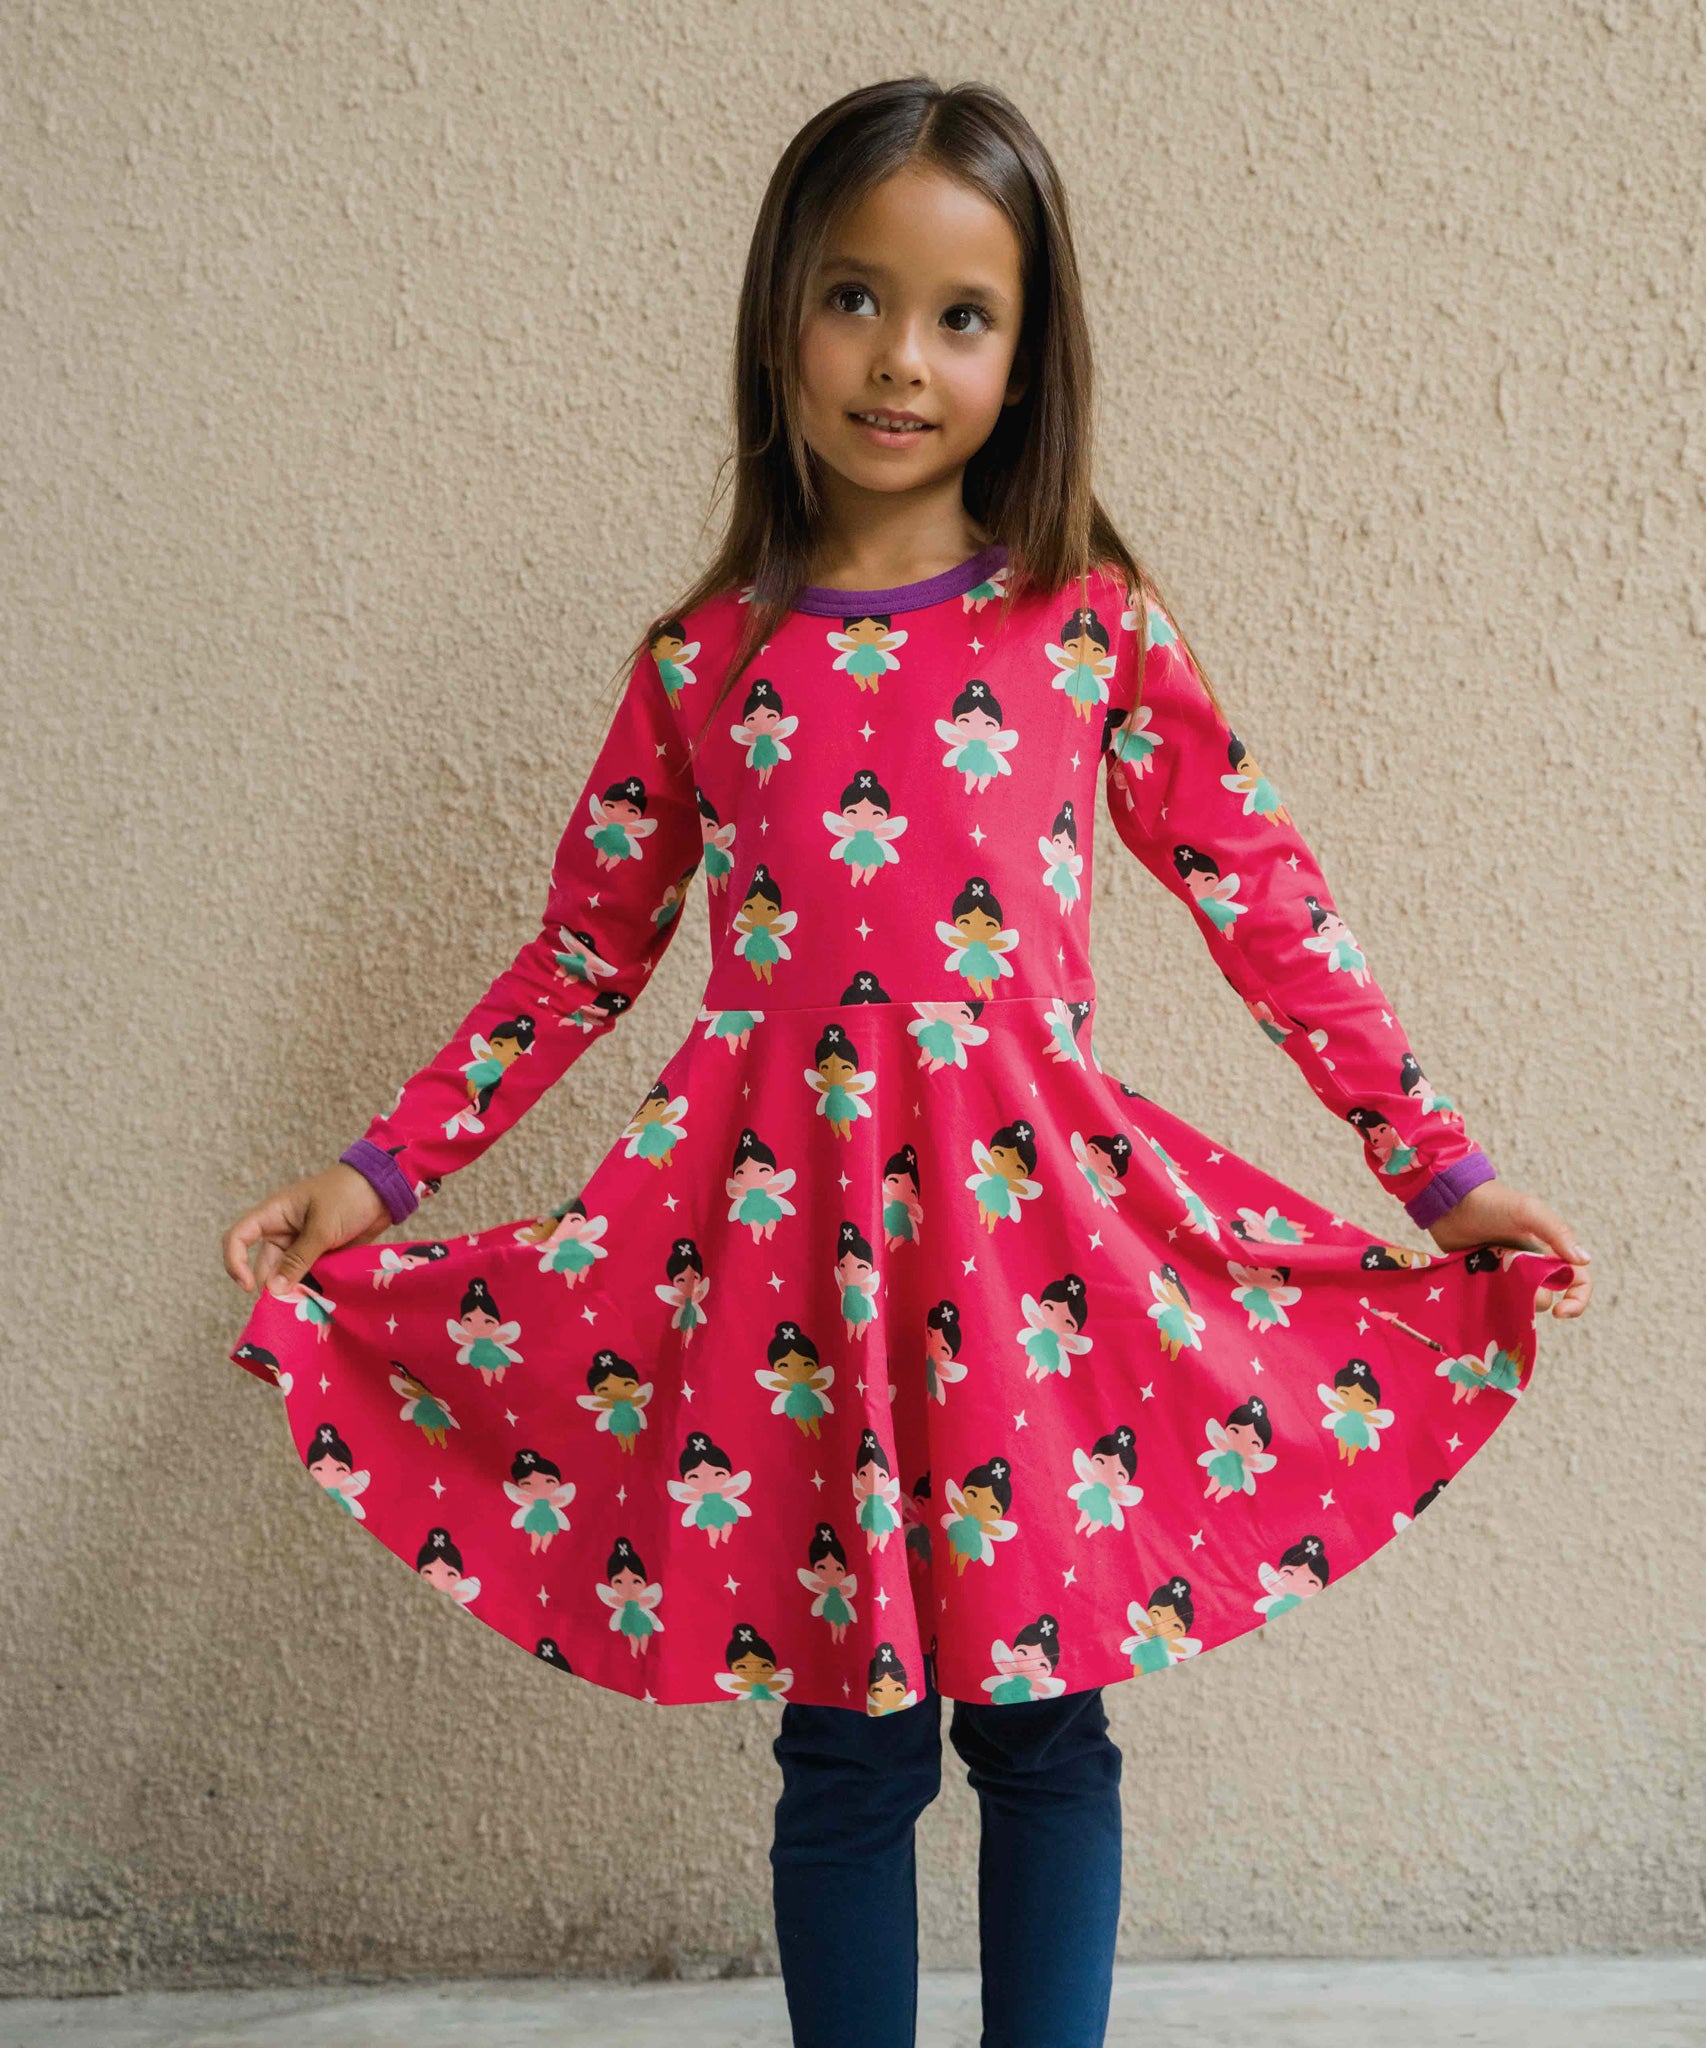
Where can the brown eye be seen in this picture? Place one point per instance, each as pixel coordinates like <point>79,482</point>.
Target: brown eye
<point>976,312</point>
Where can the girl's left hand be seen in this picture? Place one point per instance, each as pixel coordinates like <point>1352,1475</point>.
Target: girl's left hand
<point>1497,1214</point>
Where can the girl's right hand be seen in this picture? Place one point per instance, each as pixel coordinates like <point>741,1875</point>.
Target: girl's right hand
<point>294,1226</point>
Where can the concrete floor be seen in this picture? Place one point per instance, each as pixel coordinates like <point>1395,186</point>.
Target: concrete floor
<point>1570,2002</point>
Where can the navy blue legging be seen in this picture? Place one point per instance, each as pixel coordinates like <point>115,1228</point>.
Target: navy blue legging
<point>1047,1778</point>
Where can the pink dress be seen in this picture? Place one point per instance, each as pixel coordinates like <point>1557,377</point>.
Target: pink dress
<point>892,1321</point>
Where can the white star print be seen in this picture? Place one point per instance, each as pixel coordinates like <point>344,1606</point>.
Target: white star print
<point>845,1183</point>
<point>589,1315</point>
<point>1338,1222</point>
<point>1214,1158</point>
<point>865,730</point>
<point>817,1481</point>
<point>1069,1577</point>
<point>661,749</point>
<point>686,1391</point>
<point>1019,1420</point>
<point>732,1583</point>
<point>592,900</point>
<point>863,929</point>
<point>1095,1240</point>
<point>978,835</point>
<point>391,1324</point>
<point>622,1494</point>
<point>648,1697</point>
<point>764,824</point>
<point>883,1599</point>
<point>845,1688</point>
<point>1075,757</point>
<point>1173,1233</point>
<point>1434,1293</point>
<point>510,1417</point>
<point>669,1201</point>
<point>976,645</point>
<point>1149,1391</point>
<point>472,1238</point>
<point>860,1383</point>
<point>1196,1541</point>
<point>437,1489</point>
<point>1452,1442</point>
<point>775,1281</point>
<point>969,1266</point>
<point>543,1597</point>
<point>324,1383</point>
<point>1362,1322</point>
<point>745,1090</point>
<point>1327,1498</point>
<point>1292,863</point>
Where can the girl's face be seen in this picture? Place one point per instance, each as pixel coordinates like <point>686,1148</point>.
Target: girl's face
<point>705,1474</point>
<point>751,1173</point>
<point>1057,1316</point>
<point>753,1668</point>
<point>760,909</point>
<point>1333,926</point>
<point>831,1570</point>
<point>1298,1579</point>
<point>977,924</point>
<point>1358,1398</point>
<point>1007,1163</point>
<point>863,812</point>
<point>1108,1469</point>
<point>328,1470</point>
<point>794,1365</point>
<point>981,1502</point>
<point>1029,1659</point>
<point>622,810</point>
<point>916,307</point>
<point>1061,845</point>
<point>627,1583</point>
<point>1267,1277</point>
<point>666,647</point>
<point>440,1572</point>
<point>1099,1159</point>
<point>886,1693</point>
<point>476,1323</point>
<point>763,719</point>
<point>1167,1621</point>
<point>899,1187</point>
<point>977,725</point>
<point>1241,1437</point>
<point>537,1483</point>
<point>618,1386</point>
<point>851,1270</point>
<point>835,1070</point>
<point>936,1346</point>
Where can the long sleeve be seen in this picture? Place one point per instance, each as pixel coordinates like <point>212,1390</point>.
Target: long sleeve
<point>626,856</point>
<point>1189,799</point>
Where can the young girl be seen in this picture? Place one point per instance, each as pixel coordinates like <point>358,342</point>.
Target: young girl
<point>914,556</point>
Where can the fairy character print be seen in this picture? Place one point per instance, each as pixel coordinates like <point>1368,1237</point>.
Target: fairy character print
<point>978,744</point>
<point>1471,1375</point>
<point>1029,1668</point>
<point>763,925</point>
<point>865,649</point>
<point>876,1492</point>
<point>309,1303</point>
<point>549,1651</point>
<point>863,832</point>
<point>1062,862</point>
<point>1214,894</point>
<point>1238,1450</point>
<point>1082,663</point>
<point>886,1689</point>
<point>856,1278</point>
<point>1130,746</point>
<point>1103,1161</point>
<point>709,1489</point>
<point>826,1578</point>
<point>732,1028</point>
<point>1354,1414</point>
<point>942,1363</point>
<point>1062,1023</point>
<point>331,1464</point>
<point>764,731</point>
<point>541,1496</point>
<point>977,941</point>
<point>439,1562</point>
<point>903,1212</point>
<point>798,1378</point>
<point>716,844</point>
<point>577,960</point>
<point>617,1396</point>
<point>1177,1324</point>
<point>1422,1092</point>
<point>1161,1628</point>
<point>619,825</point>
<point>1402,1521</point>
<point>569,1240</point>
<point>253,1355</point>
<point>633,1600</point>
<point>977,1517</point>
<point>943,1031</point>
<point>492,1059</point>
<point>839,1083</point>
<point>1331,937</point>
<point>1105,1486</point>
<point>1268,1226</point>
<point>1198,1214</point>
<point>673,652</point>
<point>657,1126</point>
<point>421,1408</point>
<point>915,1515</point>
<point>483,1339</point>
<point>1003,1179</point>
<point>753,1673</point>
<point>669,904</point>
<point>598,1012</point>
<point>406,1258</point>
<point>865,988</point>
<point>757,1189</point>
<point>1053,1335</point>
<point>1389,1151</point>
<point>1264,1293</point>
<point>1260,798</point>
<point>1300,1574</point>
<point>684,1288</point>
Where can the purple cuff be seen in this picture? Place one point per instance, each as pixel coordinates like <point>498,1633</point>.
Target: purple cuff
<point>1448,1187</point>
<point>378,1166</point>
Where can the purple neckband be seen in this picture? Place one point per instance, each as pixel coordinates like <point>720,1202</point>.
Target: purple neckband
<point>902,597</point>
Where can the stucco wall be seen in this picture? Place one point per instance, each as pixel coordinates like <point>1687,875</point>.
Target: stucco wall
<point>363,372</point>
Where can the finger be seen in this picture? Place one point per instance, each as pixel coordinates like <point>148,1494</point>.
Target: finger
<point>234,1248</point>
<point>310,1242</point>
<point>1574,1300</point>
<point>1554,1231</point>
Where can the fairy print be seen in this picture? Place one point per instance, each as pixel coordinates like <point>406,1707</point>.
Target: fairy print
<point>617,1396</point>
<point>862,830</point>
<point>1383,1142</point>
<point>978,944</point>
<point>1062,1023</point>
<point>684,1288</point>
<point>1214,894</point>
<point>632,1599</point>
<point>716,844</point>
<point>1422,1092</point>
<point>1238,1451</point>
<point>1198,1214</point>
<point>619,823</point>
<point>866,649</point>
<point>548,1651</point>
<point>826,1578</point>
<point>732,1028</point>
<point>1028,1669</point>
<point>492,1059</point>
<point>903,1212</point>
<point>1402,1521</point>
<point>1004,1179</point>
<point>875,1492</point>
<point>1268,1226</point>
<point>668,906</point>
<point>886,1689</point>
<point>915,1519</point>
<point>1160,1629</point>
<point>657,1126</point>
<point>1260,798</point>
<point>1381,1257</point>
<point>978,744</point>
<point>482,1338</point>
<point>865,988</point>
<point>1332,939</point>
<point>943,1031</point>
<point>1177,1324</point>
<point>764,731</point>
<point>1062,862</point>
<point>763,924</point>
<point>1300,1574</point>
<point>753,1673</point>
<point>308,1303</point>
<point>541,1495</point>
<point>838,1082</point>
<point>331,1464</point>
<point>1130,745</point>
<point>439,1562</point>
<point>1471,1375</point>
<point>709,1489</point>
<point>1054,1324</point>
<point>1082,662</point>
<point>260,1361</point>
<point>1264,1294</point>
<point>987,590</point>
<point>1105,1486</point>
<point>406,1258</point>
<point>1354,1414</point>
<point>856,1277</point>
<point>977,1514</point>
<point>578,960</point>
<point>757,1191</point>
<point>671,649</point>
<point>596,1012</point>
<point>569,1240</point>
<point>1103,1161</point>
<point>421,1407</point>
<point>798,1379</point>
<point>942,1362</point>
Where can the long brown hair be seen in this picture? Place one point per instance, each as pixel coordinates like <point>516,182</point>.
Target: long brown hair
<point>1029,485</point>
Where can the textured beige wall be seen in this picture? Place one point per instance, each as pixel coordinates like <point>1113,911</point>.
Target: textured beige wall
<point>363,383</point>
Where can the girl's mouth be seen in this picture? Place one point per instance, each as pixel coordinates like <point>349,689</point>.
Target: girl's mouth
<point>890,430</point>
